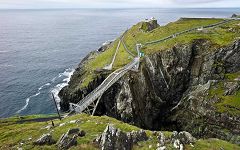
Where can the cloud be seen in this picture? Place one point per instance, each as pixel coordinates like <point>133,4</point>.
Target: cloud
<point>115,3</point>
<point>195,1</point>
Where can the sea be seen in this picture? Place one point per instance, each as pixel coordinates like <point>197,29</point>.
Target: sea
<point>39,49</point>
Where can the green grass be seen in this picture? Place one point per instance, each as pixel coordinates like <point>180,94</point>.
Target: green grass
<point>213,144</point>
<point>216,90</point>
<point>219,36</point>
<point>232,76</point>
<point>122,58</point>
<point>12,133</point>
<point>229,103</point>
<point>98,62</point>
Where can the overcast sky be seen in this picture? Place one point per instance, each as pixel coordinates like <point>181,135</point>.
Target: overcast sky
<point>116,3</point>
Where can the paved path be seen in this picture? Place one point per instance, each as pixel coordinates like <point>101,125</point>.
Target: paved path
<point>190,30</point>
<point>109,67</point>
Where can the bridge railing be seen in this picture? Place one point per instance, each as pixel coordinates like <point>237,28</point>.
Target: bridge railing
<point>113,77</point>
<point>99,87</point>
<point>188,30</point>
<point>79,107</point>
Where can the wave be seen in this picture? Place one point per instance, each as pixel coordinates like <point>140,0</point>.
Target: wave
<point>27,102</point>
<point>4,51</point>
<point>28,99</point>
<point>41,87</point>
<point>6,65</point>
<point>67,74</point>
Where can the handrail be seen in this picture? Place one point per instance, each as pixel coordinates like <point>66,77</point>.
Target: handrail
<point>87,101</point>
<point>117,74</point>
<point>188,30</point>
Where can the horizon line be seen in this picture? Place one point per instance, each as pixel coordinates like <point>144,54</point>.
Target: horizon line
<point>47,8</point>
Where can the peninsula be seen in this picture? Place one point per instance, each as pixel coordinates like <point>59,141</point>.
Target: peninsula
<point>155,87</point>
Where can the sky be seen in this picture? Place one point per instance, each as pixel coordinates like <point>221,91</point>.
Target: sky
<point>38,4</point>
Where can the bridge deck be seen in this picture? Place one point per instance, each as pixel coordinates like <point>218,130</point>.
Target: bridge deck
<point>114,76</point>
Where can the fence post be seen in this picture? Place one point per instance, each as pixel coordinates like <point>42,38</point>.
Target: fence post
<point>56,107</point>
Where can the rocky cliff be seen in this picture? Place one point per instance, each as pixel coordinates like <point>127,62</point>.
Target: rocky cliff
<point>191,86</point>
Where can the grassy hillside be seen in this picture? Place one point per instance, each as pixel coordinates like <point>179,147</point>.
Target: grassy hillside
<point>228,103</point>
<point>220,36</point>
<point>16,134</point>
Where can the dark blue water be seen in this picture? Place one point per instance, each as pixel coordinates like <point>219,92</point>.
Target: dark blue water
<point>40,48</point>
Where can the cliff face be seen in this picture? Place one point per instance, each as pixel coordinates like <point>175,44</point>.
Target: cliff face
<point>182,88</point>
<point>210,106</point>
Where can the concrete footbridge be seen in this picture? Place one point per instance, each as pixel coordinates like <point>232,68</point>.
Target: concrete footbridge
<point>89,103</point>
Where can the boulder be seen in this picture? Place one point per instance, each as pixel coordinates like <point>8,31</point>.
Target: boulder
<point>81,133</point>
<point>161,139</point>
<point>176,144</point>
<point>174,135</point>
<point>181,138</point>
<point>104,46</point>
<point>186,137</point>
<point>138,136</point>
<point>162,148</point>
<point>66,141</point>
<point>154,133</point>
<point>45,139</point>
<point>73,131</point>
<point>114,139</point>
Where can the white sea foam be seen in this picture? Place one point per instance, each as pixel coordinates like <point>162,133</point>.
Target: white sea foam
<point>27,102</point>
<point>107,42</point>
<point>41,87</point>
<point>28,99</point>
<point>67,74</point>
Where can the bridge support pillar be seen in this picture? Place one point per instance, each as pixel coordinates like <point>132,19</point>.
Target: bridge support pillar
<point>96,105</point>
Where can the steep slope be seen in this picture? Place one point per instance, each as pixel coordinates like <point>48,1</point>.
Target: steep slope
<point>190,82</point>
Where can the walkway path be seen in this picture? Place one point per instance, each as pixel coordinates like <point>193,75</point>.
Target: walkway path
<point>190,30</point>
<point>90,99</point>
<point>108,82</point>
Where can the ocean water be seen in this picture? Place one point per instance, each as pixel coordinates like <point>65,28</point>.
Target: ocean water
<point>39,49</point>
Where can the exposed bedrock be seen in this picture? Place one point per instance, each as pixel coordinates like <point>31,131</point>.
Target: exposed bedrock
<point>171,91</point>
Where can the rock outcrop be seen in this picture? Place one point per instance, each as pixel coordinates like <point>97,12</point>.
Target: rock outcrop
<point>235,16</point>
<point>178,140</point>
<point>149,25</point>
<point>161,139</point>
<point>114,139</point>
<point>183,137</point>
<point>138,136</point>
<point>45,139</point>
<point>69,139</point>
<point>66,141</point>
